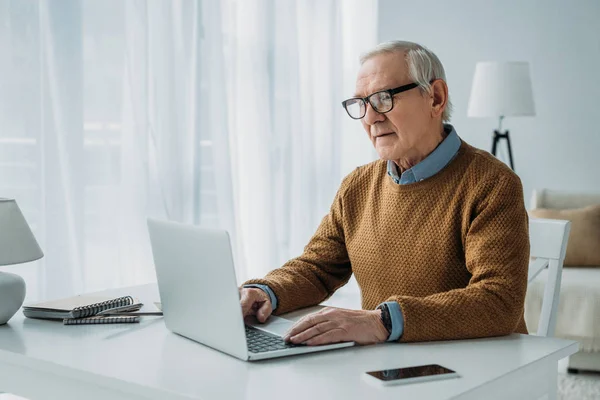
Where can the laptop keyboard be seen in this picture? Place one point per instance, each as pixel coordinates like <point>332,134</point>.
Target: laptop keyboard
<point>260,342</point>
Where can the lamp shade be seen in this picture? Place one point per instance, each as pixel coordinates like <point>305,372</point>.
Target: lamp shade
<point>17,243</point>
<point>501,89</point>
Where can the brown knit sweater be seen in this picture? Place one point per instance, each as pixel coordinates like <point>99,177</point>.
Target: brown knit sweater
<point>452,250</point>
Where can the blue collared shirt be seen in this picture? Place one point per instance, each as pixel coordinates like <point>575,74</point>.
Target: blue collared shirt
<point>432,164</point>
<point>429,166</point>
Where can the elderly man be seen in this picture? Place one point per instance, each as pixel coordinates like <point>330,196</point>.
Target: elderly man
<point>436,232</point>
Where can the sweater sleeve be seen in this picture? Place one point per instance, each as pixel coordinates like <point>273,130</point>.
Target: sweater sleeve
<point>496,254</point>
<point>322,268</point>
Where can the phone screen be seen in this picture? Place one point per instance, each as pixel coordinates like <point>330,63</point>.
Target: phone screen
<point>410,372</point>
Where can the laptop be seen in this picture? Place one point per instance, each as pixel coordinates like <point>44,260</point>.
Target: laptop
<point>200,298</point>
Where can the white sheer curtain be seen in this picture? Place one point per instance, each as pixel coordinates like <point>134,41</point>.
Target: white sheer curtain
<point>288,66</point>
<point>224,114</point>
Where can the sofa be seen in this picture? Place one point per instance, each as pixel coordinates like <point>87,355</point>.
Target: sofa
<point>578,316</point>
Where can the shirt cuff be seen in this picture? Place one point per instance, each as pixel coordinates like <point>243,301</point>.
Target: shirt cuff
<point>271,294</point>
<point>397,320</point>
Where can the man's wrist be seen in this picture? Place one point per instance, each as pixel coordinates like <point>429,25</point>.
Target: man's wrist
<point>381,332</point>
<point>397,320</point>
<point>385,318</point>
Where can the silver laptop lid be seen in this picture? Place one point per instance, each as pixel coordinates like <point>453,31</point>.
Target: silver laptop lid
<point>197,285</point>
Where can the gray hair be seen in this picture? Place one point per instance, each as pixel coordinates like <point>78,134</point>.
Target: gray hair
<point>423,65</point>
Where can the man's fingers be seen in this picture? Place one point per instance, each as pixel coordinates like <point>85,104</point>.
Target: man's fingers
<point>264,312</point>
<point>305,323</point>
<point>252,300</point>
<point>247,309</point>
<point>247,302</point>
<point>310,333</point>
<point>332,336</point>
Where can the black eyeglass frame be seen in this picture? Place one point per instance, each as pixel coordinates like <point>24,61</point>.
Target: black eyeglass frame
<point>366,100</point>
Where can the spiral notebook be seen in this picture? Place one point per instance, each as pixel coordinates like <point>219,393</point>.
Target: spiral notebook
<point>75,307</point>
<point>101,320</point>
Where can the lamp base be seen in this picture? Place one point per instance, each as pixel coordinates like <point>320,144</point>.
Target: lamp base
<point>12,295</point>
<point>503,135</point>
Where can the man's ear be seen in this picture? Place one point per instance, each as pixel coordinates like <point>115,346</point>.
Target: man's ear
<point>439,95</point>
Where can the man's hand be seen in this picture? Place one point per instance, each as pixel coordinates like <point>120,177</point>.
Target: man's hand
<point>334,325</point>
<point>255,302</point>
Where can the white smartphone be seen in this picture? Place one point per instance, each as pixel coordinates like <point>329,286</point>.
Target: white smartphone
<point>402,376</point>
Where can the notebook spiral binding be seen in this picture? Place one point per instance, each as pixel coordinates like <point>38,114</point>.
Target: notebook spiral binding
<point>100,320</point>
<point>93,309</point>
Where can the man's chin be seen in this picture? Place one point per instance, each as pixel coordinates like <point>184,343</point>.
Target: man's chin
<point>385,154</point>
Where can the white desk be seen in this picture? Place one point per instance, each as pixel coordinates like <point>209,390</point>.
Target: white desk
<point>46,360</point>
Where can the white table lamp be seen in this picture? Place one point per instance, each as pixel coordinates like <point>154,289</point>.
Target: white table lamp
<point>17,245</point>
<point>501,89</point>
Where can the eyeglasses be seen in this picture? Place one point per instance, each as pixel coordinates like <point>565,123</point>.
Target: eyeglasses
<point>381,102</point>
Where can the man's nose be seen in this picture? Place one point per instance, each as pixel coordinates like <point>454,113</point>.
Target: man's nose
<point>372,117</point>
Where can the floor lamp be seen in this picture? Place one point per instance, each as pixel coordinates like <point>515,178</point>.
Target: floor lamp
<point>501,89</point>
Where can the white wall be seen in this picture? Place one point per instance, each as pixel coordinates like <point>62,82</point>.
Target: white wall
<point>559,148</point>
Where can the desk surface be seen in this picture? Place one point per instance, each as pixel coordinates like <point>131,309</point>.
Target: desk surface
<point>147,361</point>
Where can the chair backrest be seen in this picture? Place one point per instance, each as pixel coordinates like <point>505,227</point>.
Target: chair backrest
<point>548,239</point>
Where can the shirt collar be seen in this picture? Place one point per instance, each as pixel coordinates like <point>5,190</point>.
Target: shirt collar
<point>432,164</point>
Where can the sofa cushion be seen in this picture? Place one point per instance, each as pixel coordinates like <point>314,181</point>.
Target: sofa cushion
<point>583,247</point>
<point>578,306</point>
